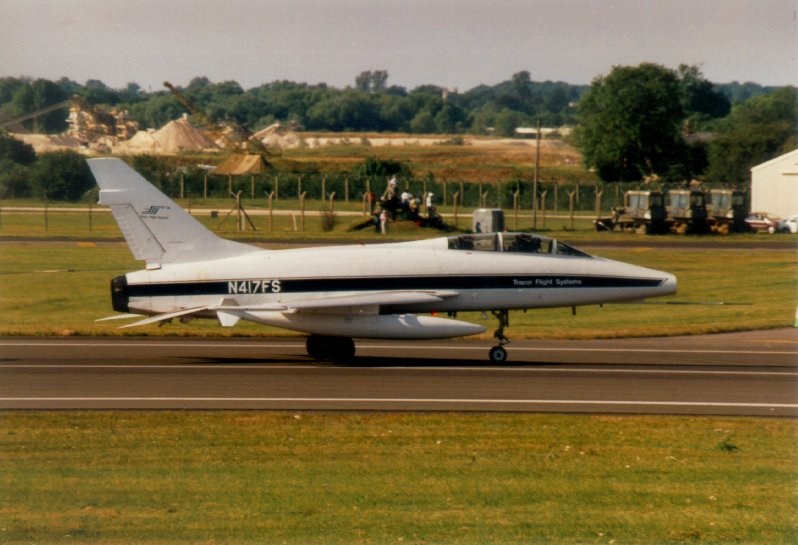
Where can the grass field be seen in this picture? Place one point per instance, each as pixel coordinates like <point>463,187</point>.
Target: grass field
<point>231,478</point>
<point>478,160</point>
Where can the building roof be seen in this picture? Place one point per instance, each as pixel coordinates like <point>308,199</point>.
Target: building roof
<point>790,155</point>
<point>238,164</point>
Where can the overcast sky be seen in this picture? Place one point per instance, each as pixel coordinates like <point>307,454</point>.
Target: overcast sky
<point>452,43</point>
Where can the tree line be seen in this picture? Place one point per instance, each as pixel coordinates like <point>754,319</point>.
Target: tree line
<point>635,123</point>
<point>371,104</point>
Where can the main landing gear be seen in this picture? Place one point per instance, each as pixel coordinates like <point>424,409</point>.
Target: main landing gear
<point>322,347</point>
<point>498,354</point>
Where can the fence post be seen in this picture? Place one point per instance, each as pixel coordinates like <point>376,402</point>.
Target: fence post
<point>571,195</point>
<point>556,196</point>
<point>205,187</point>
<point>271,210</point>
<point>302,208</point>
<point>598,201</point>
<point>346,188</point>
<point>240,219</point>
<point>456,198</point>
<point>543,207</point>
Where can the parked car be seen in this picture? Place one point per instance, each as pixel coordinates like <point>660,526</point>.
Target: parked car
<point>761,222</point>
<point>790,225</point>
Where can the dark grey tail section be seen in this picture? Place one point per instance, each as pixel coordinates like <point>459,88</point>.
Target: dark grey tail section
<point>156,229</point>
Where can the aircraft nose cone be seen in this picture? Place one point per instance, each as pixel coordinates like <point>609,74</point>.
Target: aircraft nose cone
<point>668,287</point>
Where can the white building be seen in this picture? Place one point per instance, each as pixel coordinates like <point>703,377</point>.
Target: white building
<point>774,186</point>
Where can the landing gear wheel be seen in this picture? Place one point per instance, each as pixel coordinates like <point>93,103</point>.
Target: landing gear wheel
<point>315,345</point>
<point>342,348</point>
<point>322,347</point>
<point>498,354</point>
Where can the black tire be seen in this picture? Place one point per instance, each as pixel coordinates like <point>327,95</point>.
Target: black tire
<point>341,348</point>
<point>498,354</point>
<point>316,347</point>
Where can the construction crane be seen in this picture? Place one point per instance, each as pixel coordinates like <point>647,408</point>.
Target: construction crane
<point>190,106</point>
<point>33,115</point>
<point>236,137</point>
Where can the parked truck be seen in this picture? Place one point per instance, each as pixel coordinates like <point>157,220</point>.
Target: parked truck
<point>687,211</point>
<point>642,212</point>
<point>726,211</point>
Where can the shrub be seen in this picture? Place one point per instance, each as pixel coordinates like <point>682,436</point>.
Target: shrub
<point>63,175</point>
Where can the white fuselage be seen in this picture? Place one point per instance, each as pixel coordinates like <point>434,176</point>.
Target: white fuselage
<point>476,279</point>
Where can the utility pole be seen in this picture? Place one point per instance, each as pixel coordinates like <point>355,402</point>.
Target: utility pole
<point>535,182</point>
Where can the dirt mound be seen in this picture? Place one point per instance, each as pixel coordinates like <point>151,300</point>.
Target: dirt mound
<point>179,135</point>
<point>43,143</point>
<point>142,142</point>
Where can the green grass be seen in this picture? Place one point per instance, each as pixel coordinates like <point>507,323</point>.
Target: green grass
<point>233,477</point>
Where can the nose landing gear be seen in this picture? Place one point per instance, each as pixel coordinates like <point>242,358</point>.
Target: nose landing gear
<point>498,353</point>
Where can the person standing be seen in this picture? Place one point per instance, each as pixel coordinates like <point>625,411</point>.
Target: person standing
<point>384,221</point>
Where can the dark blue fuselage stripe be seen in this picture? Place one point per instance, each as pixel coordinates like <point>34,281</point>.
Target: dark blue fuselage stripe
<point>314,285</point>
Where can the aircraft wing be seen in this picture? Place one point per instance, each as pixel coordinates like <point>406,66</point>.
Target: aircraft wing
<point>230,312</point>
<point>358,300</point>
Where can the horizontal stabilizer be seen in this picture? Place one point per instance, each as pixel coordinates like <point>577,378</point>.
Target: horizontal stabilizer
<point>118,317</point>
<point>165,317</point>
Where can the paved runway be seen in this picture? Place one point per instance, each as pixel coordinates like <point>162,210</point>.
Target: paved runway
<point>754,373</point>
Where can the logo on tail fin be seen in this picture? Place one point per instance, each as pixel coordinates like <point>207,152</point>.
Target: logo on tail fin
<point>153,210</point>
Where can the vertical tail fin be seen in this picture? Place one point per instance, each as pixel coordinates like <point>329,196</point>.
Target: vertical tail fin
<point>156,229</point>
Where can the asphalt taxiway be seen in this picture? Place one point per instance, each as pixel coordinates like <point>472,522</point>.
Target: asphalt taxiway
<point>747,374</point>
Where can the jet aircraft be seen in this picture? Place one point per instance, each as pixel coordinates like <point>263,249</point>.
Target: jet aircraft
<point>339,293</point>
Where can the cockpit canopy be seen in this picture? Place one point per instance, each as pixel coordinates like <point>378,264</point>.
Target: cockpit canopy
<point>525,243</point>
